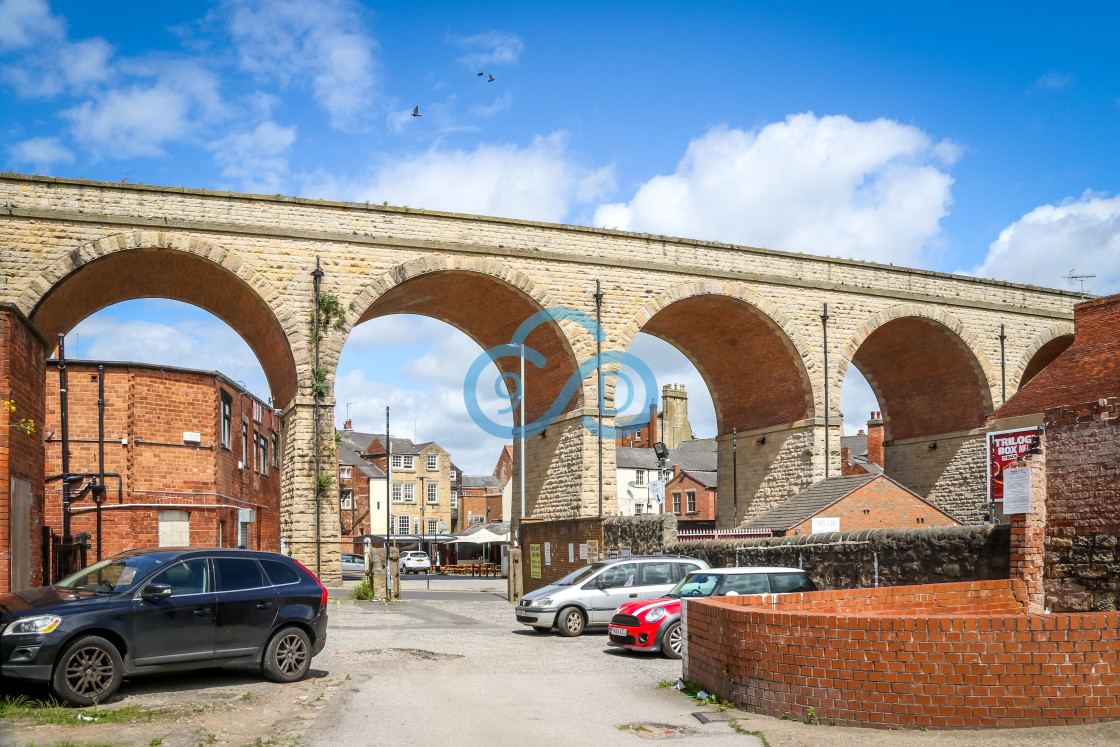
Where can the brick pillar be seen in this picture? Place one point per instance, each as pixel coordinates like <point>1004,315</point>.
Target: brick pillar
<point>1028,532</point>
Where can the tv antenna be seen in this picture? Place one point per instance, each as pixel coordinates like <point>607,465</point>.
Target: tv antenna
<point>1070,278</point>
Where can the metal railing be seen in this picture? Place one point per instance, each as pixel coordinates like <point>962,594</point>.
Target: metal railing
<point>684,535</point>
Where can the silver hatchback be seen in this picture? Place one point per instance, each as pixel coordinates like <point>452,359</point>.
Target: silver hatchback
<point>590,596</point>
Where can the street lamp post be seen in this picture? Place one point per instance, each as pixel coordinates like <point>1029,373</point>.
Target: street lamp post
<point>424,527</point>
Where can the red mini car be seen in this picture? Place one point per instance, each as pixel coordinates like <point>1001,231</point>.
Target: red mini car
<point>656,625</point>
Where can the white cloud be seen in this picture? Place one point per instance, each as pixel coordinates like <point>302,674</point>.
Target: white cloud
<point>28,22</point>
<point>308,42</point>
<point>1042,246</point>
<point>539,182</point>
<point>257,158</point>
<point>500,104</point>
<point>1055,81</point>
<point>491,48</point>
<point>830,185</point>
<point>41,153</point>
<point>857,401</point>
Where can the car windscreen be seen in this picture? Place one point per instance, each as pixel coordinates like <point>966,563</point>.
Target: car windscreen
<point>697,584</point>
<point>580,575</point>
<point>114,574</point>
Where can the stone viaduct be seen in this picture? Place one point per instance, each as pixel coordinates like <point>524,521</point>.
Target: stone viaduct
<point>749,319</point>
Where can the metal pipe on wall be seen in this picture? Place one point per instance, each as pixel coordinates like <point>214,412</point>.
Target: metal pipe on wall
<point>317,274</point>
<point>827,407</point>
<point>100,494</point>
<point>64,416</point>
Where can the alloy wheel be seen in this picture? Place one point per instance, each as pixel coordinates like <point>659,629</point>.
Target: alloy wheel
<point>89,672</point>
<point>676,640</point>
<point>291,654</point>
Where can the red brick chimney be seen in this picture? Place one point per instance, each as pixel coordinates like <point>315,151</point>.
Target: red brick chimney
<point>875,439</point>
<point>347,426</point>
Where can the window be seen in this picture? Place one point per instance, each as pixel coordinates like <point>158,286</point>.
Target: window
<point>262,453</point>
<point>676,501</point>
<point>174,528</point>
<point>416,526</point>
<point>784,583</point>
<point>746,583</point>
<point>638,508</point>
<point>398,494</point>
<point>280,572</point>
<point>408,464</point>
<point>474,520</point>
<point>410,492</point>
<point>640,477</point>
<point>245,444</point>
<point>238,573</point>
<point>691,501</point>
<point>433,461</point>
<point>433,526</point>
<point>227,417</point>
<point>347,499</point>
<point>398,461</point>
<point>619,576</point>
<point>344,473</point>
<point>256,451</point>
<point>188,577</point>
<point>433,492</point>
<point>276,450</point>
<point>403,524</point>
<point>454,498</point>
<point>658,573</point>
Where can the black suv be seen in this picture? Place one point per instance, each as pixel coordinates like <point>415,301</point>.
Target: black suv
<point>159,610</point>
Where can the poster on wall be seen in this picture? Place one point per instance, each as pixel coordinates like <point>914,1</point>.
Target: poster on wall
<point>548,553</point>
<point>1017,490</point>
<point>535,561</point>
<point>571,553</point>
<point>592,551</point>
<point>1004,449</point>
<point>826,524</point>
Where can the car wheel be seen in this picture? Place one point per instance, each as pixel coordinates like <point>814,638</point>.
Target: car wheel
<point>672,643</point>
<point>571,622</point>
<point>88,672</point>
<point>287,657</point>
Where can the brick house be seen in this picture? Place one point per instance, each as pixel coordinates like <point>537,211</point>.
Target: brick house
<point>22,355</point>
<point>198,457</point>
<point>362,491</point>
<point>691,495</point>
<point>480,501</point>
<point>850,503</point>
<point>636,468</point>
<point>421,495</point>
<point>862,454</point>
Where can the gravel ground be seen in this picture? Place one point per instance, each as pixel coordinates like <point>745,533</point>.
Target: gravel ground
<point>449,666</point>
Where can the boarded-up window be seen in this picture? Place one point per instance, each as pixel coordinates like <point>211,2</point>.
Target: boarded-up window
<point>174,528</point>
<point>19,526</point>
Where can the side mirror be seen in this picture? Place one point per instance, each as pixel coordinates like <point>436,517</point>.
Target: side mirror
<point>600,584</point>
<point>156,591</point>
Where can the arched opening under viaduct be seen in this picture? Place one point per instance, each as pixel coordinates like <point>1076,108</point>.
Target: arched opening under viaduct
<point>200,457</point>
<point>1044,357</point>
<point>933,395</point>
<point>760,390</point>
<point>488,311</point>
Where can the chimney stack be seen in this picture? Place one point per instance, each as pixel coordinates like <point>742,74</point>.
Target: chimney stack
<point>347,426</point>
<point>875,439</point>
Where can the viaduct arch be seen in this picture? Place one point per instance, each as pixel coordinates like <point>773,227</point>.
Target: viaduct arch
<point>749,318</point>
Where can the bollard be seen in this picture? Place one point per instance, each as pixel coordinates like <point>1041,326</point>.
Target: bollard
<point>516,582</point>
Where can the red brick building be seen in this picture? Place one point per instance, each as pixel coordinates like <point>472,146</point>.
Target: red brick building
<point>480,500</point>
<point>851,503</point>
<point>22,356</point>
<point>691,495</point>
<point>198,458</point>
<point>862,454</point>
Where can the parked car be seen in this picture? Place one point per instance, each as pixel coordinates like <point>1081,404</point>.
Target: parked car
<point>656,625</point>
<point>415,561</point>
<point>163,609</point>
<point>589,596</point>
<point>353,564</point>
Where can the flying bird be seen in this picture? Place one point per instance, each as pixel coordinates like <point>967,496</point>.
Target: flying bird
<point>481,74</point>
<point>491,79</point>
<point>416,112</point>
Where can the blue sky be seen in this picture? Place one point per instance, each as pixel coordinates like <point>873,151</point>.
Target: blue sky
<point>973,137</point>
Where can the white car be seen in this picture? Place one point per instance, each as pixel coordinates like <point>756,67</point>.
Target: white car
<point>415,561</point>
<point>353,564</point>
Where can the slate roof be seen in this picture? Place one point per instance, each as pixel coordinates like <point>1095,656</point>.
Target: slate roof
<point>697,455</point>
<point>488,482</point>
<point>348,456</point>
<point>810,502</point>
<point>856,444</point>
<point>400,445</point>
<point>497,527</point>
<point>707,479</point>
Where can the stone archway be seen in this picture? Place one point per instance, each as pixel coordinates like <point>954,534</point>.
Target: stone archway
<point>1040,353</point>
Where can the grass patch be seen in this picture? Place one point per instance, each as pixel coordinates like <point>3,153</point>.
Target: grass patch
<point>53,712</point>
<point>747,732</point>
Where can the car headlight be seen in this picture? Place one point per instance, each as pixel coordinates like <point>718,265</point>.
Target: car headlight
<point>542,602</point>
<point>37,624</point>
<point>655,614</point>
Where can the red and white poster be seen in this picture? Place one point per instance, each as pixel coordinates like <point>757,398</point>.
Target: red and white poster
<point>1004,449</point>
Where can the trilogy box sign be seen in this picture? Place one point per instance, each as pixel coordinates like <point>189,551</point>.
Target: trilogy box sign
<point>1005,448</point>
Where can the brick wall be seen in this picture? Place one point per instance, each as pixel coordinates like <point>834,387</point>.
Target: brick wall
<point>880,504</point>
<point>951,656</point>
<point>22,355</point>
<point>561,535</point>
<point>148,409</point>
<point>478,503</point>
<point>1082,452</point>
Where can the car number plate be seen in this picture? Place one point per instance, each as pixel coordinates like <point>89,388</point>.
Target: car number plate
<point>618,631</point>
